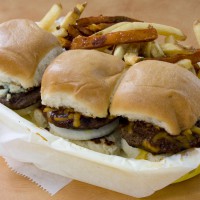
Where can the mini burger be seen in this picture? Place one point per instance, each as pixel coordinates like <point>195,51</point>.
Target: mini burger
<point>25,52</point>
<point>76,91</point>
<point>159,104</point>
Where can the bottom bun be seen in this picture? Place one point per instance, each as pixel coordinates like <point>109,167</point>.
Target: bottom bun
<point>84,134</point>
<point>110,144</point>
<point>132,152</point>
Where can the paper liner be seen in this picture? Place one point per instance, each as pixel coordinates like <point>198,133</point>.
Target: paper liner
<point>23,141</point>
<point>47,181</point>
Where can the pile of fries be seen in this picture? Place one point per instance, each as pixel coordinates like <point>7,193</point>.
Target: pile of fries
<point>129,39</point>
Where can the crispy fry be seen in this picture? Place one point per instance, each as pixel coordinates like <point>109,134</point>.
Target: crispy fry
<point>193,56</point>
<point>121,37</point>
<point>50,17</point>
<point>196,28</point>
<point>65,43</point>
<point>73,31</point>
<point>161,29</point>
<point>84,30</point>
<point>99,27</point>
<point>72,16</point>
<point>104,19</point>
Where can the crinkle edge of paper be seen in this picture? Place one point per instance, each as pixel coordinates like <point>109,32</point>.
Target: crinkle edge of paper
<point>20,169</point>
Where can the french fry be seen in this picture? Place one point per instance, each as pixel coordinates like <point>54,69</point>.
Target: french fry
<point>73,31</point>
<point>121,37</point>
<point>72,16</point>
<point>53,27</point>
<point>120,50</point>
<point>50,17</point>
<point>156,50</point>
<point>193,56</point>
<point>161,29</point>
<point>131,55</point>
<point>99,27</point>
<point>147,49</point>
<point>84,30</point>
<point>170,39</point>
<point>173,49</point>
<point>111,28</point>
<point>104,19</point>
<point>186,63</point>
<point>131,58</point>
<point>196,28</point>
<point>60,32</point>
<point>65,43</point>
<point>133,48</point>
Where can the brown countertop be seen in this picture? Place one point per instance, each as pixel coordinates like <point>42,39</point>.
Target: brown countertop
<point>179,13</point>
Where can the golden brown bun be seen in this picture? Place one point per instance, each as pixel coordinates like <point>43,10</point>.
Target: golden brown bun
<point>83,80</point>
<point>160,93</point>
<point>23,47</point>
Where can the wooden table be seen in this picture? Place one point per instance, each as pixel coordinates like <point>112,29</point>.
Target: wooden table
<point>179,13</point>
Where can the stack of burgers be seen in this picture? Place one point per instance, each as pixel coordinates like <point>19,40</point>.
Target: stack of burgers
<point>91,99</point>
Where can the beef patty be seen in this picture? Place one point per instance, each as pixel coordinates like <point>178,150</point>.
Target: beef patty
<point>156,140</point>
<point>22,100</point>
<point>68,118</point>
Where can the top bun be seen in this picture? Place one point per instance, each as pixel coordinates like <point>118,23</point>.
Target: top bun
<point>83,80</point>
<point>25,51</point>
<point>160,93</point>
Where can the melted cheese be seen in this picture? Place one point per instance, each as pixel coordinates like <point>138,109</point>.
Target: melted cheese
<point>60,119</point>
<point>147,145</point>
<point>76,122</point>
<point>47,109</point>
<point>70,116</point>
<point>142,154</point>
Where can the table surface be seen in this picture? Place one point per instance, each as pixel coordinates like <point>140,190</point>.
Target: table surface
<point>179,13</point>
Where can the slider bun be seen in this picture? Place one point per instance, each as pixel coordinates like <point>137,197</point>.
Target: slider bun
<point>83,80</point>
<point>25,52</point>
<point>160,93</point>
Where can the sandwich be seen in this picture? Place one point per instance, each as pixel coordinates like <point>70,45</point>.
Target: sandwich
<point>158,103</point>
<point>76,91</point>
<point>25,52</point>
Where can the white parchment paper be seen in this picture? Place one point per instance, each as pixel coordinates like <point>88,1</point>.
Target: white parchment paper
<point>23,141</point>
<point>49,182</point>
